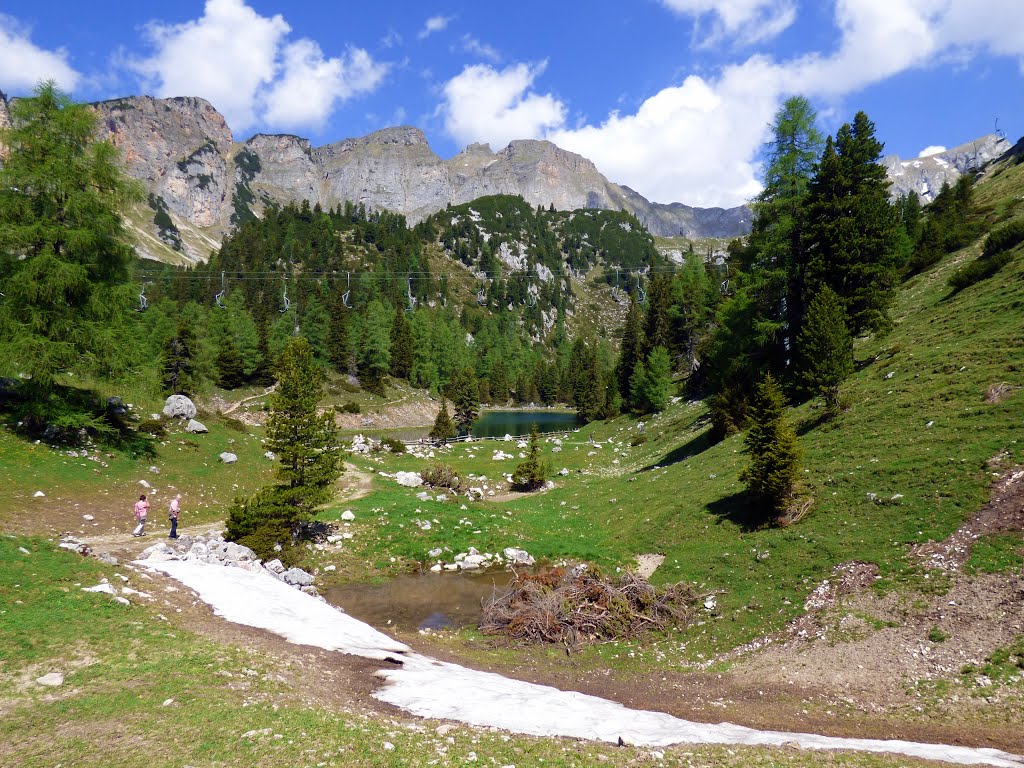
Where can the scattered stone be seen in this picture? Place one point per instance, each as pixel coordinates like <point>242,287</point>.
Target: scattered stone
<point>710,603</point>
<point>51,680</point>
<point>408,479</point>
<point>179,407</point>
<point>297,577</point>
<point>196,427</point>
<point>518,556</point>
<point>38,495</point>
<point>88,518</point>
<point>274,566</point>
<point>106,557</point>
<point>122,600</point>
<point>228,458</point>
<point>436,568</point>
<point>436,552</point>
<point>168,702</point>
<point>563,472</point>
<point>348,515</point>
<point>106,588</point>
<point>270,455</point>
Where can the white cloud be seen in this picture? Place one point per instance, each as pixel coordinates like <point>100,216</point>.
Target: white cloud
<point>484,104</point>
<point>244,64</point>
<point>698,141</point>
<point>471,45</point>
<point>932,150</point>
<point>23,64</point>
<point>747,21</point>
<point>311,85</point>
<point>434,24</point>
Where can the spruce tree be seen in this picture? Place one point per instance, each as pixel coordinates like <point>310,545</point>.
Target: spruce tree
<point>374,360</point>
<point>772,446</point>
<point>851,237</point>
<point>178,362</point>
<point>64,251</point>
<point>465,394</point>
<point>652,383</point>
<point>304,440</point>
<point>230,374</point>
<point>631,353</point>
<point>532,473</point>
<point>402,349</point>
<point>338,350</point>
<point>825,348</point>
<point>443,429</point>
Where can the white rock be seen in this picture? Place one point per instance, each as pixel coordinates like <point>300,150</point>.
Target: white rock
<point>409,479</point>
<point>106,589</point>
<point>154,470</point>
<point>179,407</point>
<point>388,746</point>
<point>348,515</point>
<point>436,568</point>
<point>88,517</point>
<point>196,427</point>
<point>563,472</point>
<point>228,458</point>
<point>274,566</point>
<point>518,556</point>
<point>122,600</point>
<point>38,495</point>
<point>51,679</point>
<point>423,496</point>
<point>297,577</point>
<point>270,455</point>
<point>330,567</point>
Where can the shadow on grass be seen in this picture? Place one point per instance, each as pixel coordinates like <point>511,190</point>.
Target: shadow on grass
<point>698,444</point>
<point>742,510</point>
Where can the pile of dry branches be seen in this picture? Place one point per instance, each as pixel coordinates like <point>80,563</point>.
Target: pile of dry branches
<point>577,606</point>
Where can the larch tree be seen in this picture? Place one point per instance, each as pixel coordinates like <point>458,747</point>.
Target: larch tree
<point>64,251</point>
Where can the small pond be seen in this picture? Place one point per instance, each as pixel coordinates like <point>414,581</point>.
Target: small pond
<point>421,600</point>
<point>499,423</point>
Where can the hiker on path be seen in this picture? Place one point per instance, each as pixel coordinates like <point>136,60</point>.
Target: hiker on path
<point>172,515</point>
<point>141,513</point>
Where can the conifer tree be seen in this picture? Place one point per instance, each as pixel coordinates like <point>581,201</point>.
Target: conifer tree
<point>465,394</point>
<point>230,374</point>
<point>374,360</point>
<point>304,440</point>
<point>178,363</point>
<point>631,353</point>
<point>652,382</point>
<point>851,236</point>
<point>338,351</point>
<point>443,429</point>
<point>402,352</point>
<point>244,332</point>
<point>825,348</point>
<point>315,326</point>
<point>64,253</point>
<point>531,473</point>
<point>772,446</point>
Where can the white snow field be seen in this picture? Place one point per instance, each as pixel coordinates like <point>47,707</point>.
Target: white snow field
<point>429,688</point>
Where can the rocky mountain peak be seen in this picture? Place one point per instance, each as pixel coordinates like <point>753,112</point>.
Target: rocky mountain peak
<point>926,175</point>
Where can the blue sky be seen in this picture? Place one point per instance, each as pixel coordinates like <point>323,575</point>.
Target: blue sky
<point>671,97</point>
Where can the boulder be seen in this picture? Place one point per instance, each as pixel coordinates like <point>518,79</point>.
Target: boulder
<point>51,679</point>
<point>518,556</point>
<point>179,407</point>
<point>237,553</point>
<point>274,566</point>
<point>196,427</point>
<point>297,577</point>
<point>270,455</point>
<point>348,515</point>
<point>228,458</point>
<point>409,479</point>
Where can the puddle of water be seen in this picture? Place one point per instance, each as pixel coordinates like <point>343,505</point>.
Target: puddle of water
<point>422,600</point>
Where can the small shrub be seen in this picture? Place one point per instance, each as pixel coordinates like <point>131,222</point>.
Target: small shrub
<point>349,407</point>
<point>639,440</point>
<point>154,427</point>
<point>1004,238</point>
<point>978,270</point>
<point>392,444</point>
<point>936,635</point>
<point>441,475</point>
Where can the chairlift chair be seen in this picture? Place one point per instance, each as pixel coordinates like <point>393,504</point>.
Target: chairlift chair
<point>143,302</point>
<point>481,295</point>
<point>641,296</point>
<point>412,299</point>
<point>348,290</point>
<point>219,298</point>
<point>284,296</point>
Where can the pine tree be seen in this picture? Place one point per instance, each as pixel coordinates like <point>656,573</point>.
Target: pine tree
<point>652,383</point>
<point>772,446</point>
<point>465,394</point>
<point>443,429</point>
<point>532,473</point>
<point>402,350</point>
<point>177,362</point>
<point>230,374</point>
<point>851,236</point>
<point>826,348</point>
<point>64,252</point>
<point>631,351</point>
<point>338,351</point>
<point>374,360</point>
<point>315,327</point>
<point>304,440</point>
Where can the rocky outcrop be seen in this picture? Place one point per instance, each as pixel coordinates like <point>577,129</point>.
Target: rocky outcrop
<point>926,175</point>
<point>184,153</point>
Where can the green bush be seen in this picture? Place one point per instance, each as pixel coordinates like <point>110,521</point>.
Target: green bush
<point>978,270</point>
<point>392,444</point>
<point>639,440</point>
<point>441,475</point>
<point>1004,238</point>
<point>154,427</point>
<point>936,635</point>
<point>349,407</point>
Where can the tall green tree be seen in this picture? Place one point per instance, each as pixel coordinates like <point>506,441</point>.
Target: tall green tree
<point>531,473</point>
<point>178,362</point>
<point>402,345</point>
<point>304,440</point>
<point>465,394</point>
<point>631,351</point>
<point>826,348</point>
<point>772,447</point>
<point>851,236</point>
<point>374,359</point>
<point>338,350</point>
<point>443,429</point>
<point>652,383</point>
<point>64,253</point>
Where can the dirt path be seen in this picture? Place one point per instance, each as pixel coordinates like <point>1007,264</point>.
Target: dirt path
<point>235,406</point>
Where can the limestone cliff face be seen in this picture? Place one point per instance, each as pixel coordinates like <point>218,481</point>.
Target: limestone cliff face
<point>5,115</point>
<point>926,175</point>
